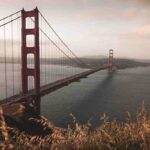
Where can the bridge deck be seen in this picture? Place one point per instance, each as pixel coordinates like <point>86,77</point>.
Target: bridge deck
<point>51,87</point>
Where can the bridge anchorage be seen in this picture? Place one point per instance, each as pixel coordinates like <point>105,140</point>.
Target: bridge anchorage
<point>45,58</point>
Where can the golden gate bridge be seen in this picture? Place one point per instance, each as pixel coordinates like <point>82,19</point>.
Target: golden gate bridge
<point>30,51</point>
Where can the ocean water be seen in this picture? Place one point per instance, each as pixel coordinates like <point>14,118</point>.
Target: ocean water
<point>114,94</point>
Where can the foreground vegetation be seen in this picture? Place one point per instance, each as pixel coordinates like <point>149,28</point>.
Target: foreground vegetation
<point>110,135</point>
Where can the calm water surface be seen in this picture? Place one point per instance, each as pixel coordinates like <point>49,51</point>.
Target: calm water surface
<point>115,94</point>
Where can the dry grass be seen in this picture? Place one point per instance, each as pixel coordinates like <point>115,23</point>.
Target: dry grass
<point>110,135</point>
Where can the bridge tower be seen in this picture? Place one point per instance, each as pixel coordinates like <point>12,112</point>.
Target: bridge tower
<point>110,60</point>
<point>26,50</point>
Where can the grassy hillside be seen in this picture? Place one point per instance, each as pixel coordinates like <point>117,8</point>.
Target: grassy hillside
<point>110,135</point>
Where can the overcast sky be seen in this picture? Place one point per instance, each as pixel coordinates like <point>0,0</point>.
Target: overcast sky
<point>92,27</point>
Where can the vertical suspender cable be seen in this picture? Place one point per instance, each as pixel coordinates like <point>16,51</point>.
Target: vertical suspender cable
<point>18,67</point>
<point>40,52</point>
<point>12,45</point>
<point>45,53</point>
<point>5,61</point>
<point>52,60</point>
<point>61,65</point>
<point>49,62</point>
<point>41,49</point>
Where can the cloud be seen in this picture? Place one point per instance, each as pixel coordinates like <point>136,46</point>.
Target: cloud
<point>143,1</point>
<point>89,25</point>
<point>143,31</point>
<point>135,2</point>
<point>136,33</point>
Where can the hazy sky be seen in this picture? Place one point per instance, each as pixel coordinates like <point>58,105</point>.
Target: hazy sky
<point>92,27</point>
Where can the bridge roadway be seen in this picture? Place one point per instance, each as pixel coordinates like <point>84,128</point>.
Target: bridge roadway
<point>46,89</point>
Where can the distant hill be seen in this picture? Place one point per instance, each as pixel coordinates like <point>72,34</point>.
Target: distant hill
<point>143,60</point>
<point>92,61</point>
<point>95,57</point>
<point>120,63</point>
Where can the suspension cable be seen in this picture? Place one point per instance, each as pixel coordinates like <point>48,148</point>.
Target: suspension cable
<point>10,15</point>
<point>62,40</point>
<point>9,21</point>
<point>55,43</point>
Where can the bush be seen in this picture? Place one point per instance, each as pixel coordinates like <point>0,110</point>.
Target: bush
<point>110,135</point>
